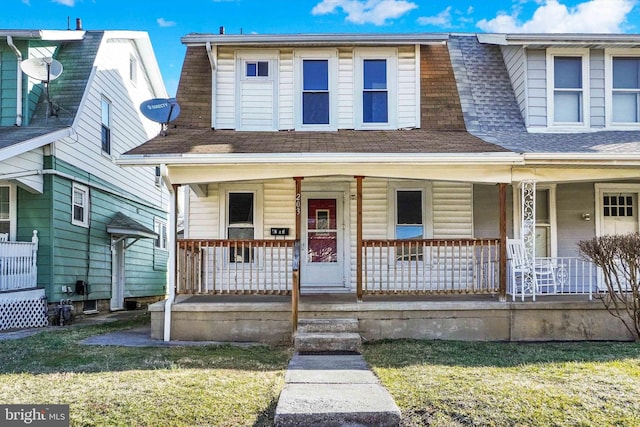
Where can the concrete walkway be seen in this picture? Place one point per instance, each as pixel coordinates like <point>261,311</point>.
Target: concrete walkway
<point>333,390</point>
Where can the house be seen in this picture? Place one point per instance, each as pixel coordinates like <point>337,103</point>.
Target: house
<point>76,227</point>
<point>383,177</point>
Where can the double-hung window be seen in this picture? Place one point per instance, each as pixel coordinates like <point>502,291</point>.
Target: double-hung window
<point>80,205</point>
<point>160,228</point>
<point>315,92</point>
<point>106,125</point>
<point>409,223</point>
<point>375,75</point>
<point>625,88</point>
<point>568,88</point>
<point>5,212</point>
<point>240,225</point>
<point>375,96</point>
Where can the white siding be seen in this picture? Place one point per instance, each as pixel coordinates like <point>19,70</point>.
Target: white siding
<point>514,58</point>
<point>407,94</point>
<point>537,88</point>
<point>25,162</point>
<point>204,215</point>
<point>285,91</point>
<point>129,128</point>
<point>597,88</point>
<point>256,105</point>
<point>279,206</point>
<point>452,210</point>
<point>225,90</point>
<point>345,89</point>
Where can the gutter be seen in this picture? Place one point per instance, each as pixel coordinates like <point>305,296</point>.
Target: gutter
<point>581,159</point>
<point>310,158</point>
<point>18,81</point>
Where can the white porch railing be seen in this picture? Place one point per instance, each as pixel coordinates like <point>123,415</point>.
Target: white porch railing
<point>569,276</point>
<point>18,266</point>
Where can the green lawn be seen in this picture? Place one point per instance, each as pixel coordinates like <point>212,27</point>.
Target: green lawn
<point>122,386</point>
<point>435,383</point>
<point>505,384</point>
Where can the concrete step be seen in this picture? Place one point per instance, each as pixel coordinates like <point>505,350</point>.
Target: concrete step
<point>328,325</point>
<point>327,342</point>
<point>334,391</point>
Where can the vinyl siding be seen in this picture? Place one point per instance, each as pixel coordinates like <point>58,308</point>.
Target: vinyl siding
<point>452,210</point>
<point>25,162</point>
<point>346,89</point>
<point>597,88</point>
<point>8,86</point>
<point>514,58</point>
<point>257,105</point>
<point>285,90</point>
<point>537,88</point>
<point>225,90</point>
<point>486,211</point>
<point>407,93</point>
<point>572,200</point>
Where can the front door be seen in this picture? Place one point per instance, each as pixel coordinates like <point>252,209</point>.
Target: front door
<point>322,258</point>
<point>619,213</point>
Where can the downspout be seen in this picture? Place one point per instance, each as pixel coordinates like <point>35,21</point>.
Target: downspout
<point>171,244</point>
<point>18,81</point>
<point>212,53</point>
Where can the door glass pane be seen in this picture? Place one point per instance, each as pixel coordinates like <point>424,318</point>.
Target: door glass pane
<point>240,208</point>
<point>543,243</point>
<point>542,206</point>
<point>251,69</point>
<point>568,72</point>
<point>322,233</point>
<point>263,69</point>
<point>625,107</point>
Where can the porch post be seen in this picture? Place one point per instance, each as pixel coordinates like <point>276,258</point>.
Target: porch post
<point>172,244</point>
<point>503,241</point>
<point>359,237</point>
<point>297,254</point>
<point>528,235</point>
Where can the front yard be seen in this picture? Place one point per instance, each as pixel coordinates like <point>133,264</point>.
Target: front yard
<point>434,382</point>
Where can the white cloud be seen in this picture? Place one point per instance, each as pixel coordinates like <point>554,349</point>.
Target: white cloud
<point>69,3</point>
<point>164,23</point>
<point>27,2</point>
<point>443,19</point>
<point>592,16</point>
<point>366,11</point>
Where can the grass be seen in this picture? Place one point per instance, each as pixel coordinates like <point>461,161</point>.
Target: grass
<point>442,383</point>
<point>148,386</point>
<point>438,383</point>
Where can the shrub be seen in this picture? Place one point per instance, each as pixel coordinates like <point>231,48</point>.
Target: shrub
<point>619,258</point>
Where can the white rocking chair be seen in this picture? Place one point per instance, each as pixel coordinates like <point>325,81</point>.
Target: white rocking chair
<point>543,276</point>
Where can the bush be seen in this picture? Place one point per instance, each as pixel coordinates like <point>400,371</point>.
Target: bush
<point>619,258</point>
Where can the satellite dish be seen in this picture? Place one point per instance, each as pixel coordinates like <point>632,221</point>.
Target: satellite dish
<point>43,69</point>
<point>161,110</point>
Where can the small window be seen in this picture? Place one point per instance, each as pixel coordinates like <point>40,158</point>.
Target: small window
<point>626,90</point>
<point>315,92</point>
<point>257,69</point>
<point>80,205</point>
<point>106,126</point>
<point>240,225</point>
<point>133,69</point>
<point>375,107</point>
<point>5,224</point>
<point>160,228</point>
<point>568,89</point>
<point>618,205</point>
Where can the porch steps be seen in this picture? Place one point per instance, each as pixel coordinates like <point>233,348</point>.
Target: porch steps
<point>328,336</point>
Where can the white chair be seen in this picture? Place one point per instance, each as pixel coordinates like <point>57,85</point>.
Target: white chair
<point>543,276</point>
<point>4,237</point>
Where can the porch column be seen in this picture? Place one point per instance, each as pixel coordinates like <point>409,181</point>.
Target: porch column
<point>503,241</point>
<point>296,257</point>
<point>172,244</point>
<point>359,237</point>
<point>528,234</point>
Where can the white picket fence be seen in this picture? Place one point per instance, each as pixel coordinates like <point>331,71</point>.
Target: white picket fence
<point>18,264</point>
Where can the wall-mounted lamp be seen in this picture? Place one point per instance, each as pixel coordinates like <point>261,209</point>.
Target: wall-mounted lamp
<point>586,216</point>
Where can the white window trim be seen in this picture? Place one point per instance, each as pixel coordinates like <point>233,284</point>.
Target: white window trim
<point>13,209</point>
<point>85,220</point>
<point>608,85</point>
<point>161,224</point>
<point>223,194</point>
<point>391,56</point>
<point>553,218</point>
<point>586,83</point>
<point>249,55</point>
<point>332,56</point>
<point>427,206</point>
<point>600,189</point>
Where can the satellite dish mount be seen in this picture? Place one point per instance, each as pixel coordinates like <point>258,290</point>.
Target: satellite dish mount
<point>46,70</point>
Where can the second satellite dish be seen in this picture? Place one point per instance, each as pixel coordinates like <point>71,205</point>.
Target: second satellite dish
<point>161,110</point>
<point>43,69</point>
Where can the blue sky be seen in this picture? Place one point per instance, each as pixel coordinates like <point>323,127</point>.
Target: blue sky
<point>167,20</point>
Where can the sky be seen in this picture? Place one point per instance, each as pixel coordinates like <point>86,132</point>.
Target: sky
<point>167,21</point>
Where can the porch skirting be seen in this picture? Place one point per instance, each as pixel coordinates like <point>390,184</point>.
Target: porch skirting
<point>268,319</point>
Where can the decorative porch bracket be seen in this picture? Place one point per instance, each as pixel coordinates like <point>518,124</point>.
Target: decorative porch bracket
<point>528,235</point>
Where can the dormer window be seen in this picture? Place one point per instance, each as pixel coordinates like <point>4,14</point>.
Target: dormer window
<point>376,96</point>
<point>315,92</point>
<point>257,69</point>
<point>625,90</point>
<point>375,105</point>
<point>567,84</point>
